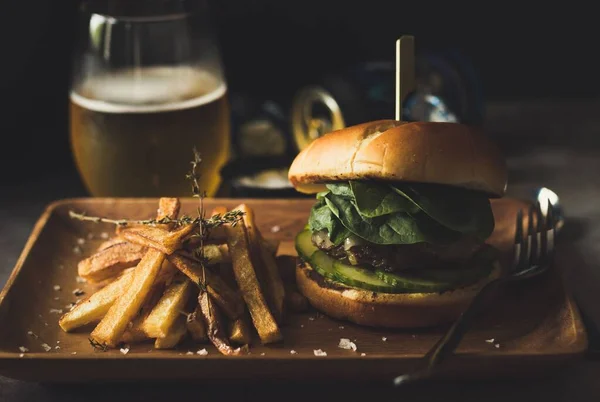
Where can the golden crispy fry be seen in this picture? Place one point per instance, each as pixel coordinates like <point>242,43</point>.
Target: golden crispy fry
<point>161,319</point>
<point>215,325</point>
<point>107,243</point>
<point>111,328</point>
<point>265,266</point>
<point>228,299</point>
<point>167,208</point>
<point>134,333</point>
<point>97,305</point>
<point>196,326</point>
<point>249,286</point>
<point>175,336</point>
<point>110,261</point>
<point>240,331</point>
<point>157,238</point>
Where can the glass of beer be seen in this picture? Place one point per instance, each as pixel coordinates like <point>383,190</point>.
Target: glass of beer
<point>148,87</point>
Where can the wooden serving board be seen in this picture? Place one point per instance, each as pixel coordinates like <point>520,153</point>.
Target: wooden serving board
<point>535,327</point>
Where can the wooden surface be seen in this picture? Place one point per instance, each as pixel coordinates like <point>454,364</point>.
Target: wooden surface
<point>536,326</point>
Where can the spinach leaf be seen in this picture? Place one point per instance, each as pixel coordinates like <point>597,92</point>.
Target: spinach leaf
<point>374,200</point>
<point>396,228</point>
<point>342,189</point>
<point>463,211</point>
<point>322,218</point>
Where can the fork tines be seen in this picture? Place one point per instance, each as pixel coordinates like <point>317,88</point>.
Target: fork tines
<point>535,243</point>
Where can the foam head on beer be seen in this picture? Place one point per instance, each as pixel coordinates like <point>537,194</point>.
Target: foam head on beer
<point>133,130</point>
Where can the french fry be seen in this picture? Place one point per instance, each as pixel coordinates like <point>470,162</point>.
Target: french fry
<point>215,325</point>
<point>157,238</point>
<point>240,331</point>
<point>175,336</point>
<point>265,266</point>
<point>107,243</point>
<point>263,320</point>
<point>111,328</point>
<point>196,326</point>
<point>110,261</point>
<point>160,321</point>
<point>97,305</point>
<point>167,208</point>
<point>134,332</point>
<point>229,300</point>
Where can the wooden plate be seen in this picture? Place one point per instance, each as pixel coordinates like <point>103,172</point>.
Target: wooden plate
<point>535,328</point>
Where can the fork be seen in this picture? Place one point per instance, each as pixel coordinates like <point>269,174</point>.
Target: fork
<point>533,250</point>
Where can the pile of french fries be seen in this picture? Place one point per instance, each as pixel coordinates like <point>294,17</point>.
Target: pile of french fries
<point>155,287</point>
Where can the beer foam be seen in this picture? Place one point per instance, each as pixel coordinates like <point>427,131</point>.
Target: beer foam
<point>150,89</point>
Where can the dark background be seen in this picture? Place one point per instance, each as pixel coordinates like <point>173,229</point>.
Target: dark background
<point>272,47</point>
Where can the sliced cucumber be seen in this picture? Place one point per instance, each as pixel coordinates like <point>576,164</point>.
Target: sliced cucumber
<point>360,278</point>
<point>412,284</point>
<point>323,264</point>
<point>304,245</point>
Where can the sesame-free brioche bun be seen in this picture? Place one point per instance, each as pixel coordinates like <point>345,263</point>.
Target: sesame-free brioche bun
<point>385,310</point>
<point>427,152</point>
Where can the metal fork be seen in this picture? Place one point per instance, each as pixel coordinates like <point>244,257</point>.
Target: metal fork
<point>533,249</point>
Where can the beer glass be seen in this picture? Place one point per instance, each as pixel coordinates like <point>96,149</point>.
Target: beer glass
<point>147,88</point>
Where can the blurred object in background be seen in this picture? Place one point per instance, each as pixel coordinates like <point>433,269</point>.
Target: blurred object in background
<point>148,87</point>
<point>261,150</point>
<point>448,89</point>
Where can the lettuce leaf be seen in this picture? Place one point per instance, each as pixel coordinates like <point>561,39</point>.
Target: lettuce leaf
<point>395,228</point>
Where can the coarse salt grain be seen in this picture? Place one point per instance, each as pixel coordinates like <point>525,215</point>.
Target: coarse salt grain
<point>57,347</point>
<point>346,343</point>
<point>23,349</point>
<point>81,241</point>
<point>202,352</point>
<point>124,350</point>
<point>76,250</point>
<point>293,352</point>
<point>363,354</point>
<point>57,342</point>
<point>22,355</point>
<point>497,345</point>
<point>301,325</point>
<point>56,311</point>
<point>341,327</point>
<point>319,352</point>
<point>57,287</point>
<point>79,279</point>
<point>311,318</point>
<point>57,298</point>
<point>383,338</point>
<point>275,229</point>
<point>46,347</point>
<point>74,353</point>
<point>30,333</point>
<point>262,354</point>
<point>90,236</point>
<point>490,340</point>
<point>104,235</point>
<point>189,352</point>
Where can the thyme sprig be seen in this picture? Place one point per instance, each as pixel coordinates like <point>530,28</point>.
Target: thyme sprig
<point>229,218</point>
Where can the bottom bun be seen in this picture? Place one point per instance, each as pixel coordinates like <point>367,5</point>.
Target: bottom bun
<point>404,310</point>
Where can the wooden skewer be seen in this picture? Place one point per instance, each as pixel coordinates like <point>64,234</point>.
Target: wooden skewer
<point>405,71</point>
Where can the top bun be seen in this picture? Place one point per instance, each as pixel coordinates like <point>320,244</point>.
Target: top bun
<point>426,152</point>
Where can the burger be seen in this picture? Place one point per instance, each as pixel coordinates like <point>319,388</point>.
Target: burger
<point>397,235</point>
